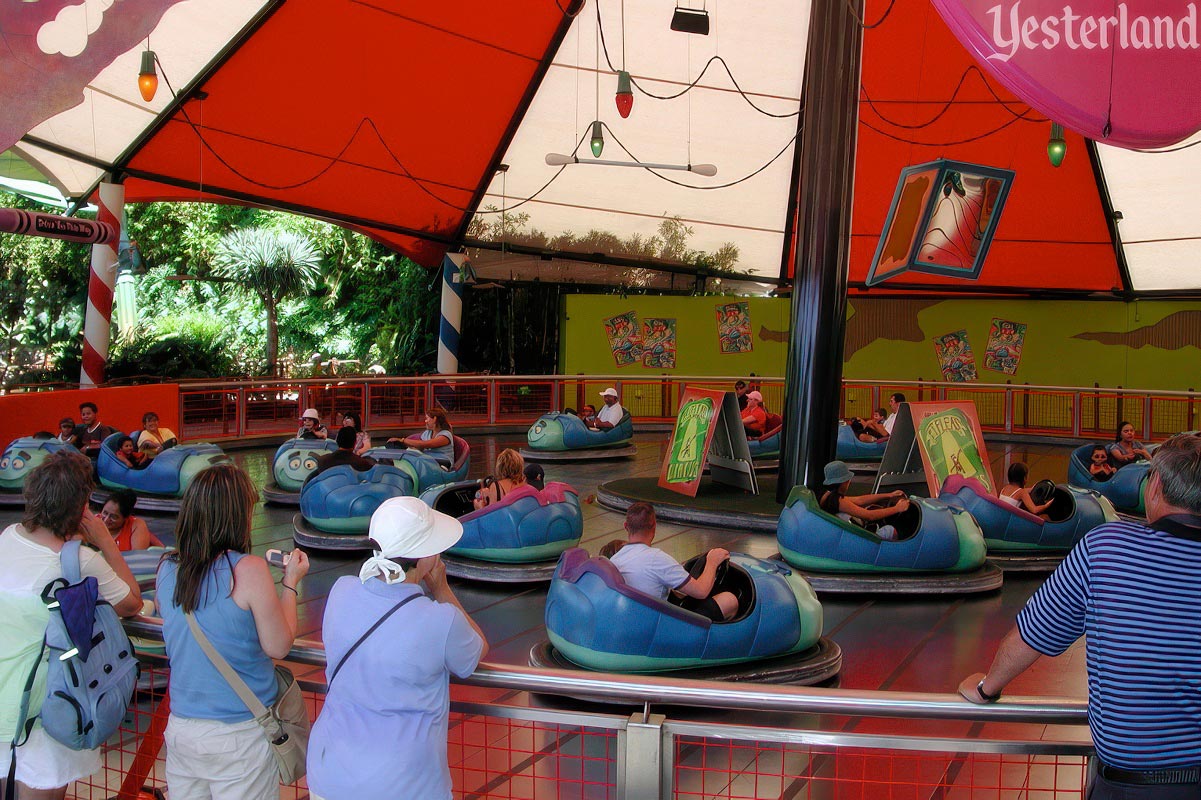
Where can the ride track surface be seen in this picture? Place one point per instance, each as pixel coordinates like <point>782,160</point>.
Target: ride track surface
<point>900,644</point>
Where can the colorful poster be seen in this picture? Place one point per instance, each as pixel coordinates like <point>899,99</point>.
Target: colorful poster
<point>659,343</point>
<point>689,444</point>
<point>1004,349</point>
<point>955,357</point>
<point>951,443</point>
<point>734,328</point>
<point>624,338</point>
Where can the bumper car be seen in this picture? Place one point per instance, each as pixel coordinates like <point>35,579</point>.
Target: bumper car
<point>294,461</point>
<point>162,482</point>
<point>596,621</point>
<point>1020,540</point>
<point>1124,489</point>
<point>18,460</point>
<point>939,550</point>
<point>765,449</point>
<point>565,437</point>
<point>336,506</point>
<point>850,449</point>
<point>425,470</point>
<point>517,539</point>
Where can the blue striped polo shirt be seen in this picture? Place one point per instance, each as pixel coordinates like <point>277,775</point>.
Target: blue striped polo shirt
<point>1135,593</point>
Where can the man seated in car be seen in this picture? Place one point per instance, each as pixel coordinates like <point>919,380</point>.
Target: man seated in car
<point>651,571</point>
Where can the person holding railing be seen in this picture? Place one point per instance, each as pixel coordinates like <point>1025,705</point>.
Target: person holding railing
<point>394,634</point>
<point>1130,590</point>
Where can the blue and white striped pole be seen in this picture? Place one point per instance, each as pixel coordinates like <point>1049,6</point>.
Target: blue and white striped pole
<point>452,313</point>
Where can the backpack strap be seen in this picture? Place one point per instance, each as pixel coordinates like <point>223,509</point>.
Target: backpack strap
<point>69,559</point>
<point>330,681</point>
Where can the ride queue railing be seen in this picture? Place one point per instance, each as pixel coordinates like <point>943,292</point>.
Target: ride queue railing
<point>682,741</point>
<point>241,409</point>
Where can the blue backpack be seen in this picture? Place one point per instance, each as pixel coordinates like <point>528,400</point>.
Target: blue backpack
<point>93,671</point>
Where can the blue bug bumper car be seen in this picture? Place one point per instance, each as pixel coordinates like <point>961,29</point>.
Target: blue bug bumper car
<point>1124,489</point>
<point>163,481</point>
<point>849,448</point>
<point>939,549</point>
<point>336,505</point>
<point>517,539</point>
<point>564,436</point>
<point>425,470</point>
<point>596,621</point>
<point>18,461</point>
<point>1013,534</point>
<point>766,448</point>
<point>294,461</point>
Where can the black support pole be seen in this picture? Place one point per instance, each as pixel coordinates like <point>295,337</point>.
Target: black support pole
<point>819,296</point>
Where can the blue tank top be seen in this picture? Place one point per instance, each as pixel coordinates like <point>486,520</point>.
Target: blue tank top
<point>197,689</point>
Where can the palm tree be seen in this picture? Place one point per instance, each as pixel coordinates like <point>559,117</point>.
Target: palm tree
<point>274,266</point>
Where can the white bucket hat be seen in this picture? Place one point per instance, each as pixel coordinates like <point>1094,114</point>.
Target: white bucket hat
<point>405,527</point>
<point>609,392</point>
<point>311,413</point>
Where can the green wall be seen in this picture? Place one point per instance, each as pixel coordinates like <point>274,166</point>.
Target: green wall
<point>1148,344</point>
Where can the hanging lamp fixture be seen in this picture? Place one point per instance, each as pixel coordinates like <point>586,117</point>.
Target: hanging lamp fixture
<point>1057,148</point>
<point>561,160</point>
<point>598,139</point>
<point>148,76</point>
<point>625,94</point>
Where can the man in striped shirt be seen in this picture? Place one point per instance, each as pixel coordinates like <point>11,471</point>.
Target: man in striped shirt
<point>1133,591</point>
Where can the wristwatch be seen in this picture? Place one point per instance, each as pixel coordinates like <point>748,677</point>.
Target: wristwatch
<point>988,698</point>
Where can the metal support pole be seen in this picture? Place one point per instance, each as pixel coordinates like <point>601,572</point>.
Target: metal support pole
<point>825,186</point>
<point>639,766</point>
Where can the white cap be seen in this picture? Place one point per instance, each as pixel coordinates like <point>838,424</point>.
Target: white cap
<point>311,413</point>
<point>610,392</point>
<point>405,527</point>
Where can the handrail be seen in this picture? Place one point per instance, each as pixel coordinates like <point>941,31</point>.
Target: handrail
<point>641,689</point>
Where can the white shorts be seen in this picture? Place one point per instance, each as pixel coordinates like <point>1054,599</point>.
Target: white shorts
<point>219,760</point>
<point>44,763</point>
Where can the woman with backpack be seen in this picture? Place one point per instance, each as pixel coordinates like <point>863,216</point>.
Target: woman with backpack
<point>215,748</point>
<point>56,497</point>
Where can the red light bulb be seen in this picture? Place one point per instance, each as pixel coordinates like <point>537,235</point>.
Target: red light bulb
<point>625,94</point>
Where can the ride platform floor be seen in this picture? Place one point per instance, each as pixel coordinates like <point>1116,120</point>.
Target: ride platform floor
<point>899,644</point>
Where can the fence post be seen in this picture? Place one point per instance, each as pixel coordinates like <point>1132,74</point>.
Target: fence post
<point>1148,421</point>
<point>241,411</point>
<point>1026,406</point>
<point>640,758</point>
<point>1077,412</point>
<point>1188,425</point>
<point>1096,407</point>
<point>1009,408</point>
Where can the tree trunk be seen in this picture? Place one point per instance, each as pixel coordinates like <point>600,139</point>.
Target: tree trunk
<point>272,336</point>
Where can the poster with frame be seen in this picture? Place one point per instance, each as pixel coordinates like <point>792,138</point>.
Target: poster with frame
<point>625,338</point>
<point>734,328</point>
<point>1003,352</point>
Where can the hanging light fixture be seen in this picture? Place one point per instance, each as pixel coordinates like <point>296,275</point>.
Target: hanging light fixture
<point>1057,148</point>
<point>561,160</point>
<point>598,139</point>
<point>148,76</point>
<point>625,94</point>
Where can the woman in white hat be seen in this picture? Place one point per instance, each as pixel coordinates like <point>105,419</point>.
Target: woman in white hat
<point>393,636</point>
<point>310,426</point>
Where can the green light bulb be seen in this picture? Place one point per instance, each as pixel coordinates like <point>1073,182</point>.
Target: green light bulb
<point>598,140</point>
<point>1057,148</point>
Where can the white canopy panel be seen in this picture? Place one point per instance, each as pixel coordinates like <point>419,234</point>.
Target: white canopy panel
<point>762,42</point>
<point>1156,193</point>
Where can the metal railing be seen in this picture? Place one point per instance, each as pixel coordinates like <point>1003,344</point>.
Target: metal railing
<point>237,409</point>
<point>505,745</point>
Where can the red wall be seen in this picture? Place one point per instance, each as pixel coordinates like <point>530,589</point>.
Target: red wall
<point>120,407</point>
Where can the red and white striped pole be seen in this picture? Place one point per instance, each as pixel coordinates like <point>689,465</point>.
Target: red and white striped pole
<point>97,322</point>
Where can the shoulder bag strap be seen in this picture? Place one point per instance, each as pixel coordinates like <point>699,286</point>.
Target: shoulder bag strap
<point>330,681</point>
<point>231,677</point>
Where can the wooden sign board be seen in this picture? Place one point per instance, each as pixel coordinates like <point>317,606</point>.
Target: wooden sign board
<point>932,441</point>
<point>706,419</point>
